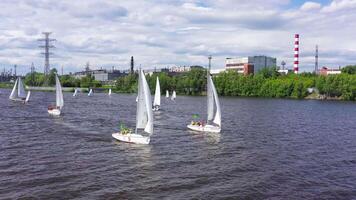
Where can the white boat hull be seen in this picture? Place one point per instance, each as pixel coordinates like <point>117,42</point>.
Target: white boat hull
<point>23,100</point>
<point>205,128</point>
<point>132,138</point>
<point>55,112</point>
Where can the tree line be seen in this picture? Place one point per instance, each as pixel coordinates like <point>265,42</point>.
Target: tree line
<point>266,83</point>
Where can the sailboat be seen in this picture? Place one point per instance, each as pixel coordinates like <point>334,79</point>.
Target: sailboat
<point>214,122</point>
<point>174,96</point>
<point>144,117</point>
<point>157,99</point>
<point>90,92</point>
<point>167,94</point>
<point>75,92</point>
<point>56,110</point>
<point>18,92</point>
<point>109,92</point>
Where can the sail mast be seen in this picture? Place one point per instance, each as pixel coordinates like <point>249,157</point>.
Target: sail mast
<point>210,100</point>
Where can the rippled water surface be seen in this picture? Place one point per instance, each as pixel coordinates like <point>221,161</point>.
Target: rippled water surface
<point>268,149</point>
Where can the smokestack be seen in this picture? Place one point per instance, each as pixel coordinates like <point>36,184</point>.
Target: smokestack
<point>296,53</point>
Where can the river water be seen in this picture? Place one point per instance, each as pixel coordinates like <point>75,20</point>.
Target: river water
<point>268,149</point>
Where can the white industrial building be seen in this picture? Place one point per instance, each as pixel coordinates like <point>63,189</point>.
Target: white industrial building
<point>250,65</point>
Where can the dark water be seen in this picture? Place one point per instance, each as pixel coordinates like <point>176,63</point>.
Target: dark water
<point>268,149</point>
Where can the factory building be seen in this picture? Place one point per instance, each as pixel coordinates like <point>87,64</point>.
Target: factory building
<point>249,65</point>
<point>329,71</point>
<point>102,75</point>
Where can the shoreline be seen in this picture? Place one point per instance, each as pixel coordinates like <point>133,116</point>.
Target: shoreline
<point>71,89</point>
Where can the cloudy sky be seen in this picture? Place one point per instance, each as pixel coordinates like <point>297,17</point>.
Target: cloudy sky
<point>160,33</point>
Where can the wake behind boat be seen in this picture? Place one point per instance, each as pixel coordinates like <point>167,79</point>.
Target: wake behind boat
<point>213,122</point>
<point>144,117</point>
<point>56,110</point>
<point>18,92</point>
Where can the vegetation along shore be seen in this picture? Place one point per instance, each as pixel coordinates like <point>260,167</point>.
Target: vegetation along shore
<point>266,83</point>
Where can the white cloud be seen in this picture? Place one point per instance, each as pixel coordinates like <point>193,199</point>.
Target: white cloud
<point>307,6</point>
<point>182,32</point>
<point>339,5</point>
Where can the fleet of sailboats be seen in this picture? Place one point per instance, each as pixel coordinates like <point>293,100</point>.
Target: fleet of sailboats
<point>144,117</point>
<point>144,109</point>
<point>18,92</point>
<point>56,110</point>
<point>157,98</point>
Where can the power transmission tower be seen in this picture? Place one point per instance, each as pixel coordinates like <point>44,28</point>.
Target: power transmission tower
<point>47,46</point>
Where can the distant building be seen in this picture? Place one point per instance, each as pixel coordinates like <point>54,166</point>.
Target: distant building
<point>102,75</point>
<point>249,65</point>
<point>216,71</point>
<point>328,71</point>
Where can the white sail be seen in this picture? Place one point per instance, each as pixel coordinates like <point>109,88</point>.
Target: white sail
<point>20,89</point>
<point>13,94</point>
<point>217,118</point>
<point>210,99</point>
<point>173,95</point>
<point>141,113</point>
<point>59,94</point>
<point>109,91</point>
<point>157,99</point>
<point>148,101</point>
<point>28,96</point>
<point>144,111</point>
<point>75,92</point>
<point>90,92</point>
<point>167,94</point>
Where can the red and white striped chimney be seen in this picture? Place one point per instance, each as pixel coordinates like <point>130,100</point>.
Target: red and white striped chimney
<point>296,53</point>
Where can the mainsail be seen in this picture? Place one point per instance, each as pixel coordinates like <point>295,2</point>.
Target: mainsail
<point>59,94</point>
<point>173,95</point>
<point>13,94</point>
<point>214,94</point>
<point>75,92</point>
<point>157,99</point>
<point>144,115</point>
<point>21,90</point>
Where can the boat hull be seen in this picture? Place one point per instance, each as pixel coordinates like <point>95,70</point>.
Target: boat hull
<point>19,99</point>
<point>131,138</point>
<point>205,128</point>
<point>55,112</point>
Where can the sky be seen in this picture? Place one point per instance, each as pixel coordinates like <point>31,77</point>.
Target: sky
<point>164,33</point>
